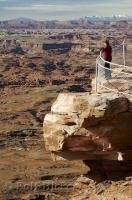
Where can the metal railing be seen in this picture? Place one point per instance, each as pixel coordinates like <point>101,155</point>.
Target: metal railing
<point>113,77</point>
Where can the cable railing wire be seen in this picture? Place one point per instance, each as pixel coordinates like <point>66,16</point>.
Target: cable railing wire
<point>117,78</point>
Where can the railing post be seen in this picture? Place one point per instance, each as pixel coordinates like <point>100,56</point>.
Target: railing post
<point>124,52</point>
<point>96,78</point>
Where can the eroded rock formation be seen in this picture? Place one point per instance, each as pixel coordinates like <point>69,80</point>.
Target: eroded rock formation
<point>86,188</point>
<point>89,126</point>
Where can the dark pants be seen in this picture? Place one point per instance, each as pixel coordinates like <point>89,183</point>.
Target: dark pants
<point>107,71</point>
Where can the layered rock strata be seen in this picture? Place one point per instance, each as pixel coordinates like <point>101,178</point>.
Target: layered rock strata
<point>88,126</point>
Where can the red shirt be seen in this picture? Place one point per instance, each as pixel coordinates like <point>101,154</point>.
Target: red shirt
<point>106,53</point>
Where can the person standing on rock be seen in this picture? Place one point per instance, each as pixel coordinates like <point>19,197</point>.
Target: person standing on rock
<point>106,54</point>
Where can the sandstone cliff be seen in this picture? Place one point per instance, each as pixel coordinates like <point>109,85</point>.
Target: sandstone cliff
<point>89,126</point>
<point>95,128</point>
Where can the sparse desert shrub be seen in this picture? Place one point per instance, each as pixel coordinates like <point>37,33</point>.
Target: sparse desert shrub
<point>10,62</point>
<point>17,50</point>
<point>49,65</point>
<point>31,65</point>
<point>58,82</point>
<point>76,88</point>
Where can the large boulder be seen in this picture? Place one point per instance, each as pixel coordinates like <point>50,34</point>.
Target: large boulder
<point>86,188</point>
<point>89,126</point>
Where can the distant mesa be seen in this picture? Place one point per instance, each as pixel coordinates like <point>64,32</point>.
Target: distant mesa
<point>85,22</point>
<point>60,47</point>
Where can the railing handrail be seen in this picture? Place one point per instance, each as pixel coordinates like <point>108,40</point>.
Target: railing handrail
<point>114,70</point>
<point>111,63</point>
<point>98,64</point>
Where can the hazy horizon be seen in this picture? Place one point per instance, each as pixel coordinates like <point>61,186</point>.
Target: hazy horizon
<point>62,9</point>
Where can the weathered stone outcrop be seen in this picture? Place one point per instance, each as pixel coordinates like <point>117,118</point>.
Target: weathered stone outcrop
<point>89,127</point>
<point>85,188</point>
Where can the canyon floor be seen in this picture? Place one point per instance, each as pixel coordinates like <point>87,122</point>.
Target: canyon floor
<point>29,84</point>
<point>26,169</point>
<point>28,87</point>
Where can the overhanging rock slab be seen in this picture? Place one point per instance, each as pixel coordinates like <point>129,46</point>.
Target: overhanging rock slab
<point>81,124</point>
